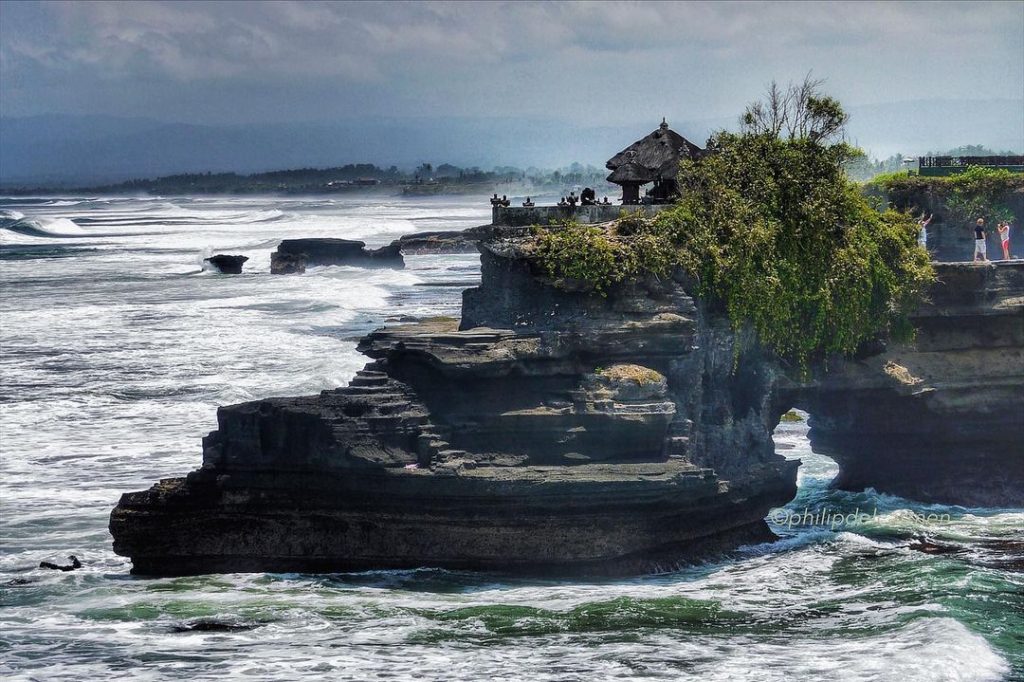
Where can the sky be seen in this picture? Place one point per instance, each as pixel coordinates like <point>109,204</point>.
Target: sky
<point>251,86</point>
<point>595,63</point>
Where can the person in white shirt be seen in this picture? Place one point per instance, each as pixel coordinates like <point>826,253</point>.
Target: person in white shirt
<point>922,235</point>
<point>979,241</point>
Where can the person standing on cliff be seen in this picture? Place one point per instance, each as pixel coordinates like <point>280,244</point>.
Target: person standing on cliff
<point>922,235</point>
<point>979,241</point>
<point>1004,238</point>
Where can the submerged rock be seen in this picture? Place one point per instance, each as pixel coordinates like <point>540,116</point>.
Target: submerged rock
<point>228,265</point>
<point>561,432</point>
<point>212,625</point>
<point>294,255</point>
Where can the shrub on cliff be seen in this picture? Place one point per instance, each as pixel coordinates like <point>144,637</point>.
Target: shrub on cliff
<point>978,192</point>
<point>590,256</point>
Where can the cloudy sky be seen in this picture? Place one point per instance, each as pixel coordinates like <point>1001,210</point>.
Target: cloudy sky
<point>596,63</point>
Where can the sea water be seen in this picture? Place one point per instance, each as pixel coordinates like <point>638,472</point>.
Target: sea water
<point>117,347</point>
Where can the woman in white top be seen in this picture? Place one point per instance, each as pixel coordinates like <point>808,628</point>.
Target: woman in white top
<point>922,236</point>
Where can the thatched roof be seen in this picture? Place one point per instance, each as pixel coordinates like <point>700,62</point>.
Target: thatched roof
<point>659,153</point>
<point>631,172</point>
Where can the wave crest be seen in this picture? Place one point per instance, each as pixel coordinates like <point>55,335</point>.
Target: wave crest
<point>15,221</point>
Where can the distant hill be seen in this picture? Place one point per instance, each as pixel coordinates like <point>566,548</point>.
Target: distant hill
<point>68,150</point>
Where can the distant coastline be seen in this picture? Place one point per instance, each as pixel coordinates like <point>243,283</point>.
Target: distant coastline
<point>425,180</point>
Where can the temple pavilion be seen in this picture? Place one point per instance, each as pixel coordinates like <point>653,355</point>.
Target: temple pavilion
<point>654,158</point>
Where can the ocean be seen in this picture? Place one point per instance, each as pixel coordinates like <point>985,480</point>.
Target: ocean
<point>116,348</point>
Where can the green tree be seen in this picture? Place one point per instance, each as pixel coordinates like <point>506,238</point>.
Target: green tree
<point>775,234</point>
<point>782,239</point>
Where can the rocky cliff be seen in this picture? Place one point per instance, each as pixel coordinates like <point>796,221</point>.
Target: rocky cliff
<point>951,236</point>
<point>940,419</point>
<point>557,431</point>
<point>550,432</point>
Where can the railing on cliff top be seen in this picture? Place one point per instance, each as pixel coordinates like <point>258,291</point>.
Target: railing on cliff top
<point>949,165</point>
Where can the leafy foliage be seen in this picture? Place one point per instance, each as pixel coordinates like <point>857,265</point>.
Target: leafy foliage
<point>973,150</point>
<point>799,111</point>
<point>780,237</point>
<point>981,192</point>
<point>977,192</point>
<point>776,236</point>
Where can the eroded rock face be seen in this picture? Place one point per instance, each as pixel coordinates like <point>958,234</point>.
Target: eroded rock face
<point>295,255</point>
<point>940,419</point>
<point>580,435</point>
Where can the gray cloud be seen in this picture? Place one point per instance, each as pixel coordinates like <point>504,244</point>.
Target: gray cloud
<point>597,63</point>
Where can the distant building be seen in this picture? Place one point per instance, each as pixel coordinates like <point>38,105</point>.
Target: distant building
<point>951,165</point>
<point>654,158</point>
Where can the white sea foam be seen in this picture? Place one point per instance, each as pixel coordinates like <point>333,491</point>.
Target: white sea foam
<point>114,362</point>
<point>42,227</point>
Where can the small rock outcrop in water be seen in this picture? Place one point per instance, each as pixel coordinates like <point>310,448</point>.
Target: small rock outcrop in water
<point>228,265</point>
<point>295,255</point>
<point>74,565</point>
<point>567,433</point>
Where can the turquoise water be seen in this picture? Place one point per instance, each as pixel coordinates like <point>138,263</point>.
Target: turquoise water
<point>116,350</point>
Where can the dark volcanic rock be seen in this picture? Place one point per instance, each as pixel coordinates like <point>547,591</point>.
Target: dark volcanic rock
<point>73,565</point>
<point>287,263</point>
<point>212,625</point>
<point>451,241</point>
<point>228,265</point>
<point>294,255</point>
<point>562,432</point>
<point>598,436</point>
<point>940,419</point>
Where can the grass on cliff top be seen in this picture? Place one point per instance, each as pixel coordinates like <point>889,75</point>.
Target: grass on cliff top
<point>775,235</point>
<point>637,374</point>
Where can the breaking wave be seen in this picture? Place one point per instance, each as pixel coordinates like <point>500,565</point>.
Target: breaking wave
<point>15,221</point>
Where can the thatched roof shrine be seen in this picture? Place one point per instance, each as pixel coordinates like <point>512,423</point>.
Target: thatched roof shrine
<point>654,158</point>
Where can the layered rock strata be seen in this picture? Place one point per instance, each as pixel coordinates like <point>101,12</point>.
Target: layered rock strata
<point>940,419</point>
<point>549,432</point>
<point>295,255</point>
<point>444,241</point>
